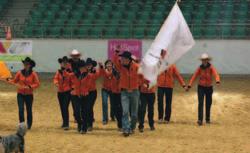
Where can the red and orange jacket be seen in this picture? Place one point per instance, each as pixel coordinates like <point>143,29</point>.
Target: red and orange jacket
<point>129,77</point>
<point>80,87</point>
<point>62,80</point>
<point>115,88</point>
<point>144,84</point>
<point>107,79</point>
<point>166,78</point>
<point>93,78</point>
<point>30,81</point>
<point>205,75</point>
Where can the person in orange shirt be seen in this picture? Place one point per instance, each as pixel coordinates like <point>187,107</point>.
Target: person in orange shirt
<point>205,72</point>
<point>95,74</point>
<point>72,66</point>
<point>147,97</point>
<point>129,84</point>
<point>115,97</point>
<point>165,83</point>
<point>107,75</point>
<point>80,84</point>
<point>26,80</point>
<point>62,82</point>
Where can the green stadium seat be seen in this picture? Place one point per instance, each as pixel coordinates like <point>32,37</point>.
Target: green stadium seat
<point>72,22</point>
<point>103,16</point>
<point>116,15</point>
<point>143,15</point>
<point>28,31</point>
<point>49,15</point>
<point>107,8</point>
<point>225,31</point>
<point>158,16</point>
<point>125,32</point>
<point>151,32</point>
<point>96,32</point>
<point>130,15</point>
<point>111,32</point>
<point>239,32</point>
<point>82,32</point>
<point>210,32</point>
<point>68,32</point>
<point>37,14</point>
<point>62,15</point>
<point>39,32</point>
<point>113,22</point>
<point>77,15</point>
<point>196,31</point>
<point>54,32</point>
<point>160,8</point>
<point>90,15</point>
<point>139,32</point>
<point>59,21</point>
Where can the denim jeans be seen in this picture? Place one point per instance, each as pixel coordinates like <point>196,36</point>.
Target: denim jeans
<point>130,102</point>
<point>105,96</point>
<point>26,100</point>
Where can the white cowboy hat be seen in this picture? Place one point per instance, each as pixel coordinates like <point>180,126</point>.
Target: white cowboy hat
<point>205,56</point>
<point>75,52</point>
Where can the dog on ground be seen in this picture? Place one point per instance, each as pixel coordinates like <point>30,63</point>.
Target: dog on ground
<point>14,143</point>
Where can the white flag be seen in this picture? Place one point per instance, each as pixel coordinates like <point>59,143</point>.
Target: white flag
<point>175,37</point>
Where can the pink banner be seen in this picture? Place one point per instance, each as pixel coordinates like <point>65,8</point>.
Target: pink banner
<point>132,45</point>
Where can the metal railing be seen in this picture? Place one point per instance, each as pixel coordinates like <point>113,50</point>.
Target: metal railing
<point>140,31</point>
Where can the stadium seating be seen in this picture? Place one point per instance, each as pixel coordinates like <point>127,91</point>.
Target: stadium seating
<point>135,19</point>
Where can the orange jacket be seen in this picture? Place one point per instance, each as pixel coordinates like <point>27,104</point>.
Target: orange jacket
<point>205,75</point>
<point>129,77</point>
<point>166,78</point>
<point>107,79</point>
<point>31,81</point>
<point>81,87</point>
<point>62,81</point>
<point>93,78</point>
<point>143,86</point>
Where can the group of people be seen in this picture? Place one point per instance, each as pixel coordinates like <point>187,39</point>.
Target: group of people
<point>129,92</point>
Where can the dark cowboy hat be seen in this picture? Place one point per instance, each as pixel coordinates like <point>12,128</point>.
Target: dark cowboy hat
<point>81,64</point>
<point>29,61</point>
<point>91,61</point>
<point>64,59</point>
<point>126,54</point>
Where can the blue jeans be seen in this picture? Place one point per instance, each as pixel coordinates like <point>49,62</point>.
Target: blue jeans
<point>130,102</point>
<point>105,96</point>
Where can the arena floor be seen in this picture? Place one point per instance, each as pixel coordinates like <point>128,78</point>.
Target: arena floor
<point>228,133</point>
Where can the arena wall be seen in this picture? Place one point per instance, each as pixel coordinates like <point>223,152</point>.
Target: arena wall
<point>229,56</point>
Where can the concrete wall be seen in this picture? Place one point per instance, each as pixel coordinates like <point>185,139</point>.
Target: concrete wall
<point>229,56</point>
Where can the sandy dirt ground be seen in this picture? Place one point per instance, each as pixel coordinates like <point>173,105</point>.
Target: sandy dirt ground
<point>228,133</point>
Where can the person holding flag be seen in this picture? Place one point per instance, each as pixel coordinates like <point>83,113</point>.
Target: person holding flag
<point>129,84</point>
<point>165,83</point>
<point>206,71</point>
<point>4,71</point>
<point>26,80</point>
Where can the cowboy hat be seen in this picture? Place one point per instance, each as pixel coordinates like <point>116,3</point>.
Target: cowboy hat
<point>91,61</point>
<point>205,56</point>
<point>126,54</point>
<point>64,59</point>
<point>29,61</point>
<point>75,52</point>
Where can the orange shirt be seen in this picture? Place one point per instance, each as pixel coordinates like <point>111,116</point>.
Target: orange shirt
<point>205,76</point>
<point>129,77</point>
<point>81,87</point>
<point>107,79</point>
<point>144,86</point>
<point>93,78</point>
<point>115,88</point>
<point>31,81</point>
<point>62,80</point>
<point>166,78</point>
